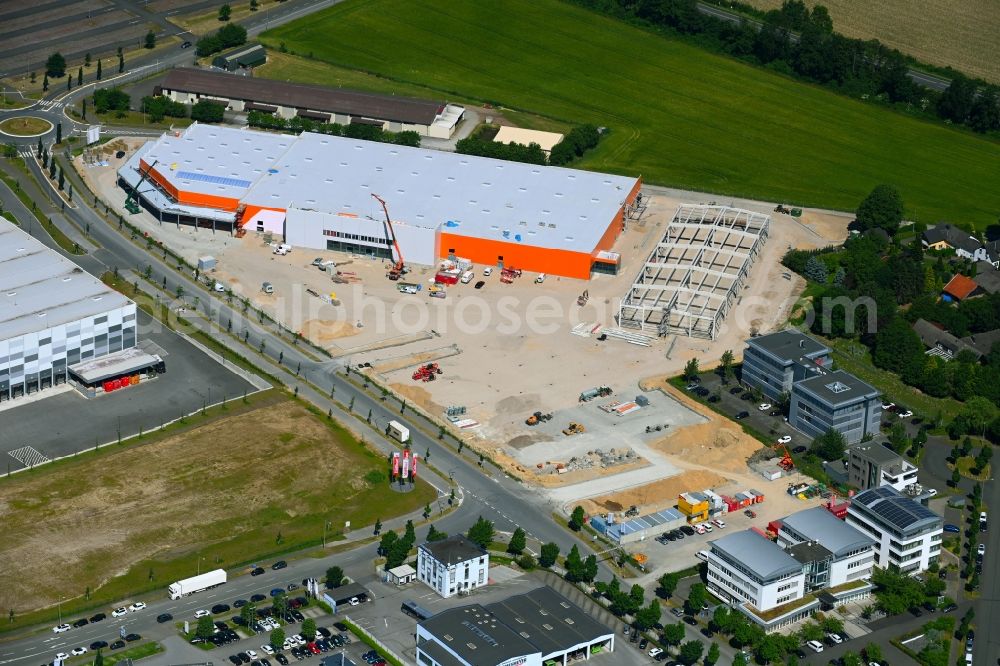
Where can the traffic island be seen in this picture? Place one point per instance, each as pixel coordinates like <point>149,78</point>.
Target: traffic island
<point>25,126</point>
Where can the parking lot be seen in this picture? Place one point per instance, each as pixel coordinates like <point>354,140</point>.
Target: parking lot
<point>734,401</point>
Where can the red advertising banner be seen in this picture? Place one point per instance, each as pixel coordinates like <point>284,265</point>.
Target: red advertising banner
<point>395,465</point>
<point>414,470</point>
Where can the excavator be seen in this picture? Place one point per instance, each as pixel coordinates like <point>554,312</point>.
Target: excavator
<point>399,267</point>
<point>132,200</point>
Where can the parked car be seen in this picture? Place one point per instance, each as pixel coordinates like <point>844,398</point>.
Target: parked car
<point>117,645</point>
<point>644,643</point>
<point>653,652</point>
<point>257,571</point>
<point>799,449</point>
<point>750,513</point>
<point>98,617</point>
<point>219,608</point>
<point>98,645</point>
<point>735,390</point>
<point>186,45</point>
<point>905,415</point>
<point>815,646</point>
<point>257,598</point>
<point>61,628</point>
<point>280,564</point>
<point>118,612</point>
<point>834,638</point>
<point>277,591</point>
<point>742,415</point>
<point>981,549</point>
<point>784,439</point>
<point>198,614</point>
<point>132,638</point>
<point>62,656</point>
<point>763,407</point>
<point>488,271</point>
<point>282,659</point>
<point>721,524</point>
<point>82,622</point>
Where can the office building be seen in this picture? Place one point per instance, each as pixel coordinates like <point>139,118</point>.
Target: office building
<point>836,400</point>
<point>774,362</point>
<point>871,465</point>
<point>907,534</point>
<point>453,566</point>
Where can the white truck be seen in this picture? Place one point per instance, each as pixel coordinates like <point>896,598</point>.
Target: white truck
<point>399,432</point>
<point>197,583</point>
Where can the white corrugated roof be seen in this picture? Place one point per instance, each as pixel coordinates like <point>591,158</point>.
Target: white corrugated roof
<point>479,197</point>
<point>40,289</point>
<point>546,140</point>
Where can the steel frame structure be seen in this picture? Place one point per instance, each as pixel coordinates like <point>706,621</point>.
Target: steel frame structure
<point>695,273</point>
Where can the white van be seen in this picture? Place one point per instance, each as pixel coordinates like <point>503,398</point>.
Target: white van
<point>467,277</point>
<point>282,249</point>
<point>540,279</point>
<point>488,271</point>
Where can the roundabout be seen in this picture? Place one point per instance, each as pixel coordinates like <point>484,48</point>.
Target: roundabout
<point>25,126</point>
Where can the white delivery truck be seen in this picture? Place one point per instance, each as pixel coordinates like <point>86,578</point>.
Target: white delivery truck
<point>399,432</point>
<point>196,584</point>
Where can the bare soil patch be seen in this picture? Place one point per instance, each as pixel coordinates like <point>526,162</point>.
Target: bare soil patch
<point>654,496</point>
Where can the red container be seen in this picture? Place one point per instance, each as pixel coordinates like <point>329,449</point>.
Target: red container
<point>446,278</point>
<point>774,526</point>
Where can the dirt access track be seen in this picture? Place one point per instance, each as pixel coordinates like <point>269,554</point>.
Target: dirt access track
<point>209,491</point>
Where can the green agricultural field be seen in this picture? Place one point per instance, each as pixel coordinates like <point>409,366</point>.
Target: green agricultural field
<point>678,115</point>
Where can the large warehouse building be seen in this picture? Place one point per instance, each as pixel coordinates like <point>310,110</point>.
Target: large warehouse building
<point>329,105</point>
<point>316,191</point>
<point>53,316</point>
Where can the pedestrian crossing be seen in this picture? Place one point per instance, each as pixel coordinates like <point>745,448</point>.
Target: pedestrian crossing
<point>51,104</point>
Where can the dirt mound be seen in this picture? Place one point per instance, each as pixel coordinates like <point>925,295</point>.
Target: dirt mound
<point>322,331</point>
<point>715,445</point>
<point>524,441</point>
<point>417,395</point>
<point>654,496</point>
<point>515,404</point>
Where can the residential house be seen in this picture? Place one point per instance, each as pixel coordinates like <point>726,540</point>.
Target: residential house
<point>453,566</point>
<point>940,342</point>
<point>960,288</point>
<point>987,275</point>
<point>950,237</point>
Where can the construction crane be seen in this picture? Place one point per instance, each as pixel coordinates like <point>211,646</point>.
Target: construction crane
<point>132,204</point>
<point>398,267</point>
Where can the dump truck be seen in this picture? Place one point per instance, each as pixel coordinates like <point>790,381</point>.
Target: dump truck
<point>197,583</point>
<point>574,429</point>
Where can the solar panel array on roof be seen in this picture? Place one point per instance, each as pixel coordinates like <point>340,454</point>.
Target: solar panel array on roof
<point>217,180</point>
<point>895,508</point>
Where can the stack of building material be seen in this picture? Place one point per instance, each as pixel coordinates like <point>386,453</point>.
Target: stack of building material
<point>629,336</point>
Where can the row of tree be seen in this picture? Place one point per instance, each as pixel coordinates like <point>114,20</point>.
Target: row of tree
<point>55,65</point>
<point>801,42</point>
<point>577,141</point>
<point>228,36</point>
<point>299,124</point>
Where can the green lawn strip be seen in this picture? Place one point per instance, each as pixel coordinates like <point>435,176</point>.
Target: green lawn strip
<point>134,653</point>
<point>136,119</point>
<point>855,358</point>
<point>61,239</point>
<point>677,114</point>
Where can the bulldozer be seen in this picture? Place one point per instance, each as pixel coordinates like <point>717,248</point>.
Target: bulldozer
<point>536,418</point>
<point>574,429</point>
<point>583,298</point>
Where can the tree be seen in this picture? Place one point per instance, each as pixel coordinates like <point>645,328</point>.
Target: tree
<point>481,533</point>
<point>897,437</point>
<point>955,102</point>
<point>722,619</point>
<point>576,519</point>
<point>691,651</point>
<point>69,82</point>
<point>668,584</point>
<point>829,446</point>
<point>150,40</point>
<point>881,209</point>
<point>121,62</point>
<point>309,628</point>
<point>768,649</point>
<point>673,634</point>
<point>648,616</point>
<point>697,598</point>
<point>832,625</point>
<point>378,526</point>
<point>691,370</point>
<point>205,628</point>
<point>62,179</point>
<point>816,271</point>
<point>55,66</point>
<point>713,654</point>
<point>98,70</point>
<point>740,659</point>
<point>548,555</point>
<point>983,458</point>
<point>984,116</point>
<point>279,605</point>
<point>224,12</point>
<point>726,366</point>
<point>517,543</point>
<point>248,614</point>
<point>850,659</point>
<point>334,577</point>
<point>99,658</point>
<point>253,5</point>
<point>45,83</point>
<point>387,542</point>
<point>277,639</point>
<point>873,652</point>
<point>955,477</point>
<point>434,534</point>
<point>811,631</point>
<point>206,111</point>
<point>574,565</point>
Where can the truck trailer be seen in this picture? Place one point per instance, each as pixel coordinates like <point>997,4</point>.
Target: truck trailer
<point>399,432</point>
<point>197,583</point>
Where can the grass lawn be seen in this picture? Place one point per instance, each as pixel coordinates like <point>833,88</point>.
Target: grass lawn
<point>856,359</point>
<point>966,465</point>
<point>678,115</point>
<point>232,486</point>
<point>61,239</point>
<point>136,119</point>
<point>25,126</point>
<point>134,653</point>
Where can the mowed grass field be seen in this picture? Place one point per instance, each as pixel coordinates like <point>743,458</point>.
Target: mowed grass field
<point>232,487</point>
<point>945,33</point>
<point>678,115</point>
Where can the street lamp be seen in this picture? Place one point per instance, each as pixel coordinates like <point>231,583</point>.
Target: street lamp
<point>199,564</point>
<point>60,609</point>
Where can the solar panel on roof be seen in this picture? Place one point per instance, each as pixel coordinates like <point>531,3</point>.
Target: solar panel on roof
<point>215,180</point>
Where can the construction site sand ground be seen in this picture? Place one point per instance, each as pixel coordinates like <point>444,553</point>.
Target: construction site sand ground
<point>507,350</point>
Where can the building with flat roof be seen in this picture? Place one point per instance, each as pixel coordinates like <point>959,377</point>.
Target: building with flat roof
<point>638,529</point>
<point>453,566</point>
<point>316,191</point>
<point>530,629</point>
<point>53,315</point>
<point>392,113</point>
<point>775,361</point>
<point>907,534</point>
<point>836,400</point>
<point>871,465</point>
<point>545,140</point>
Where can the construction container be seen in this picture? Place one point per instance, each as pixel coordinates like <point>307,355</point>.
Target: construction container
<point>839,510</point>
<point>714,500</point>
<point>774,526</point>
<point>206,263</point>
<point>744,498</point>
<point>760,532</point>
<point>758,496</point>
<point>447,277</point>
<point>642,401</point>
